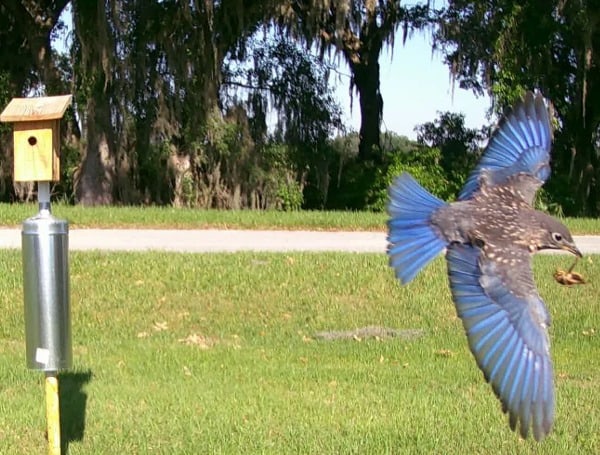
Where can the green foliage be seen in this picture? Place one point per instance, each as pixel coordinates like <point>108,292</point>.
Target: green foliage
<point>70,159</point>
<point>556,196</point>
<point>459,146</point>
<point>345,146</point>
<point>423,164</point>
<point>543,201</point>
<point>6,94</point>
<point>357,31</point>
<point>507,90</point>
<point>278,182</point>
<point>441,160</point>
<point>351,180</point>
<point>187,191</point>
<point>281,76</point>
<point>392,142</point>
<point>152,167</point>
<point>6,152</point>
<point>290,196</point>
<point>350,186</point>
<point>505,47</point>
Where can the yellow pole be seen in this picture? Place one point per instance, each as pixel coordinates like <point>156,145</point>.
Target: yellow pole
<point>52,414</point>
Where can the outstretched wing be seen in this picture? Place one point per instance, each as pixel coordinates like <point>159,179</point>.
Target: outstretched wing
<point>520,147</point>
<point>506,324</point>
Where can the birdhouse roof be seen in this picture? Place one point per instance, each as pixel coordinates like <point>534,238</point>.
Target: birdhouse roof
<point>35,109</point>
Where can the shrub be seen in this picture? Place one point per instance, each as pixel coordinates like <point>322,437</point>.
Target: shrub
<point>423,164</point>
<point>290,196</point>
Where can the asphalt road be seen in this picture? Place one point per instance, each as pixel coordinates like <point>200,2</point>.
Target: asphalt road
<point>197,241</point>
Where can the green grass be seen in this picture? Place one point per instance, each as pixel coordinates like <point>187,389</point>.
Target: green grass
<point>583,226</point>
<point>191,354</point>
<point>181,218</point>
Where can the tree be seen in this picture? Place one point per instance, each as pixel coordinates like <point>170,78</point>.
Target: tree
<point>161,63</point>
<point>296,86</point>
<point>358,31</point>
<point>355,188</point>
<point>459,146</point>
<point>507,46</point>
<point>158,123</point>
<point>25,33</point>
<point>27,64</point>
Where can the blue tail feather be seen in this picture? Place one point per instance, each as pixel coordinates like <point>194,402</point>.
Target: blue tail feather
<point>412,240</point>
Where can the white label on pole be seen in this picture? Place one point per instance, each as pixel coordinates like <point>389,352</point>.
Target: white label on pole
<point>42,356</point>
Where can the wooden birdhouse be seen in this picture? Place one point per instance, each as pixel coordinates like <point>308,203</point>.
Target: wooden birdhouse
<point>36,136</point>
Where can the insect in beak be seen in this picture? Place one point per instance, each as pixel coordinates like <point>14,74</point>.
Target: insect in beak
<point>569,277</point>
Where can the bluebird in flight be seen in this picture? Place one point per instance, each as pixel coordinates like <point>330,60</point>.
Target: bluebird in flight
<point>489,235</point>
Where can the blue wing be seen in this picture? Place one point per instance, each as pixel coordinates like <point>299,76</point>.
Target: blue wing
<point>520,145</point>
<point>507,332</point>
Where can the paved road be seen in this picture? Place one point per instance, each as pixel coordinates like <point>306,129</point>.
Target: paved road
<point>196,241</point>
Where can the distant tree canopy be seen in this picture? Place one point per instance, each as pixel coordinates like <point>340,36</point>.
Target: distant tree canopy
<point>459,146</point>
<point>505,47</point>
<point>174,101</point>
<point>358,31</point>
<point>228,103</point>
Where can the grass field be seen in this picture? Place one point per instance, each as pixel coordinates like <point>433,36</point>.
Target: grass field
<point>259,353</point>
<point>180,218</point>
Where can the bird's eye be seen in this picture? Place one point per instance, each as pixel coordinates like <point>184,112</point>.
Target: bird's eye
<point>557,237</point>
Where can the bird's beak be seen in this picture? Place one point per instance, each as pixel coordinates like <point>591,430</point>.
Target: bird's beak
<point>571,248</point>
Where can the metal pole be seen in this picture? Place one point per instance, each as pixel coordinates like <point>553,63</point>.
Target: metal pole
<point>44,197</point>
<point>51,383</point>
<point>52,413</point>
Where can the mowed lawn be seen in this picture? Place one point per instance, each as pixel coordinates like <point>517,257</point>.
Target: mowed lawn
<point>268,353</point>
<point>153,217</point>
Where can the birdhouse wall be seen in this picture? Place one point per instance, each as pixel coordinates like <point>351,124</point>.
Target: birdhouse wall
<point>36,151</point>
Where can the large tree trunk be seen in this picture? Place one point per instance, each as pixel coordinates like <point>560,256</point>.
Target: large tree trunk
<point>365,74</point>
<point>95,182</point>
<point>96,178</point>
<point>586,170</point>
<point>362,54</point>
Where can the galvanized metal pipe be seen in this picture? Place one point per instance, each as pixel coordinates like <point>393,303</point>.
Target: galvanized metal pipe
<point>46,292</point>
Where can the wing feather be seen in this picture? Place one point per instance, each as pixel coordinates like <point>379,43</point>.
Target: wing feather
<point>520,145</point>
<point>507,333</point>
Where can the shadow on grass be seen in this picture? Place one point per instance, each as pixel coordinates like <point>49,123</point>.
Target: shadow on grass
<point>73,401</point>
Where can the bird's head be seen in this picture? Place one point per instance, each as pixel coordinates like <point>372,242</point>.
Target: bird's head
<point>552,234</point>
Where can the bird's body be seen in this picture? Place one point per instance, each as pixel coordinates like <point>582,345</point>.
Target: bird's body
<point>489,235</point>
<point>485,219</point>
